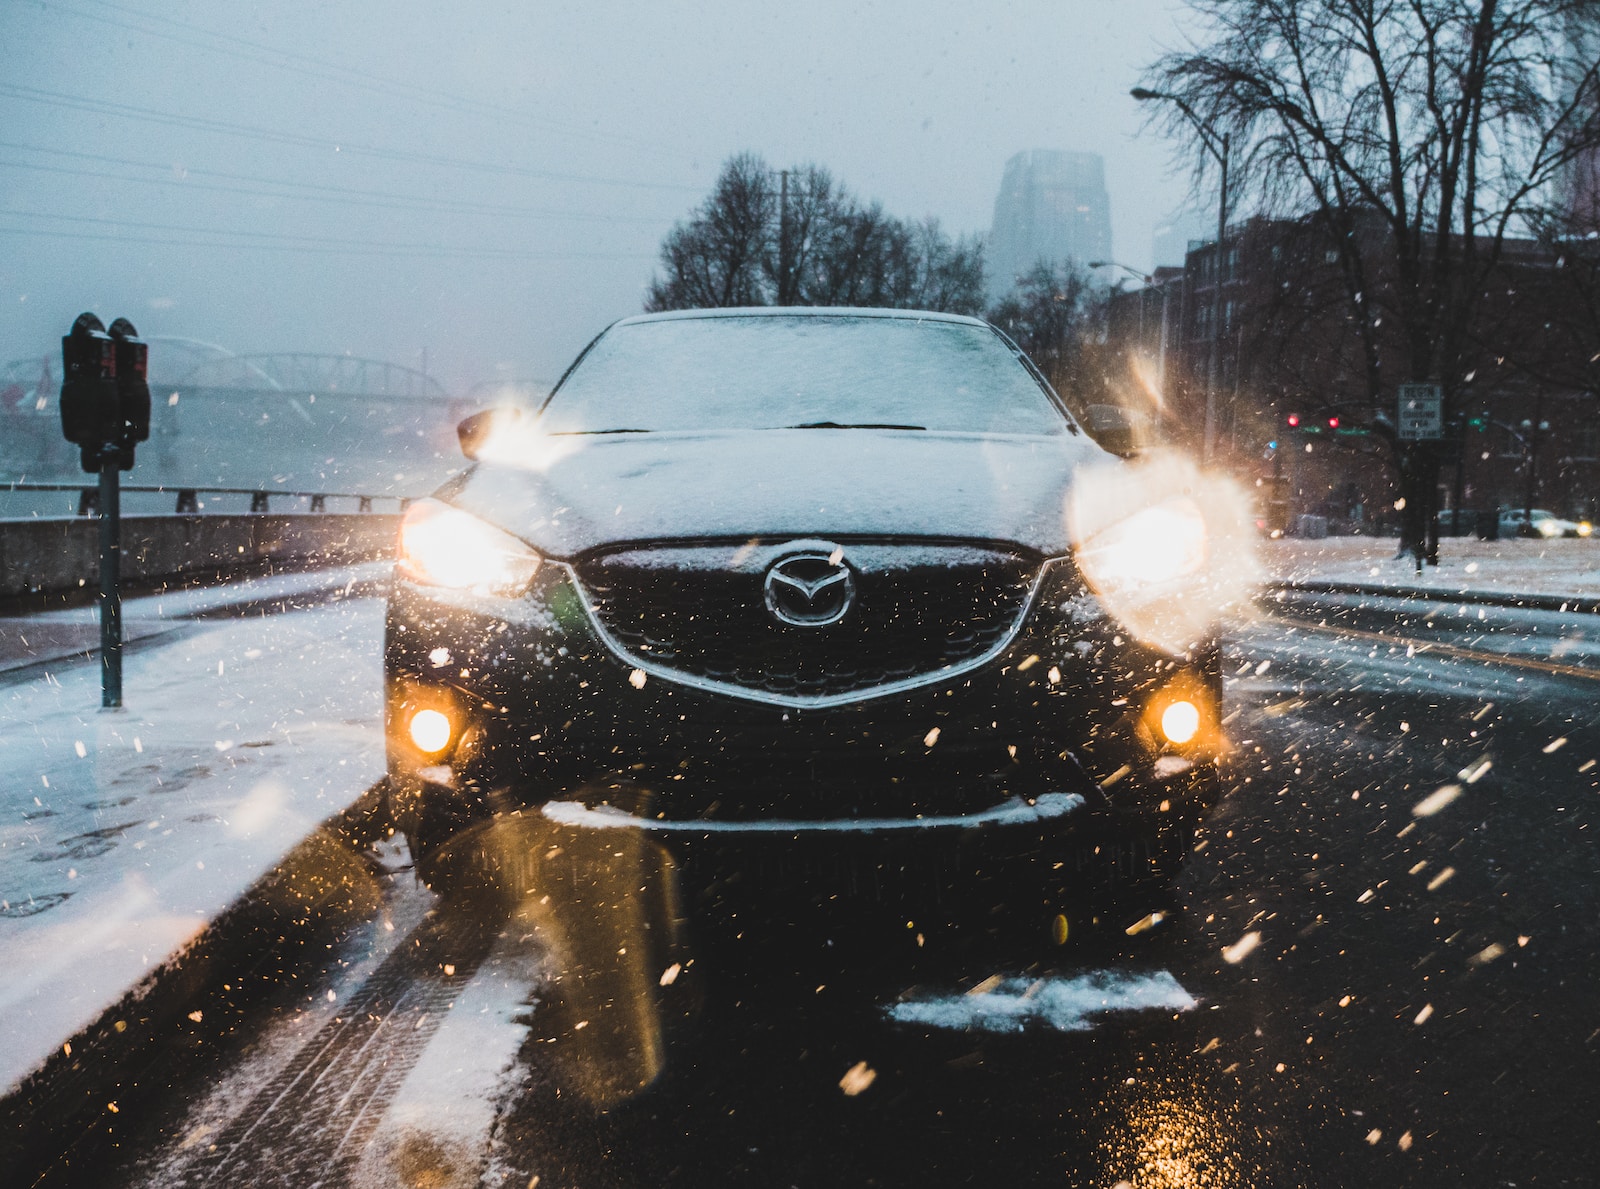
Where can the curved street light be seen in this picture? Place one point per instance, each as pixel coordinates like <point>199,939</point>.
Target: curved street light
<point>1145,278</point>
<point>1149,283</point>
<point>1127,268</point>
<point>1218,147</point>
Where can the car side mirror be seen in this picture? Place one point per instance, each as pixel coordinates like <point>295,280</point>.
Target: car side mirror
<point>475,431</point>
<point>1114,429</point>
<point>1119,440</point>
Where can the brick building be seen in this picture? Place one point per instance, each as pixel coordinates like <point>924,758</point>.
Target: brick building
<point>1526,428</point>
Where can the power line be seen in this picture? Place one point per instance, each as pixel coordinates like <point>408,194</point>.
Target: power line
<point>318,242</point>
<point>337,194</point>
<point>270,135</point>
<point>336,72</point>
<point>305,250</point>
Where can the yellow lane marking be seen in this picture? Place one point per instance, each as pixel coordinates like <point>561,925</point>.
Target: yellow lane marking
<point>1454,651</point>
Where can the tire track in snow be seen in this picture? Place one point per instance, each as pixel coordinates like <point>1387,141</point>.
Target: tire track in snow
<point>308,1126</point>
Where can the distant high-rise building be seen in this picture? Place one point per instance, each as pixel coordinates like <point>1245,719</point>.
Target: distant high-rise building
<point>1580,181</point>
<point>1052,207</point>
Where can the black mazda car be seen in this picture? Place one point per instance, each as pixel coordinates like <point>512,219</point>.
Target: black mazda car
<point>838,602</point>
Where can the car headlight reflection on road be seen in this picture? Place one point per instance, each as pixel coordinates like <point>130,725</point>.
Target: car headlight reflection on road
<point>444,546</point>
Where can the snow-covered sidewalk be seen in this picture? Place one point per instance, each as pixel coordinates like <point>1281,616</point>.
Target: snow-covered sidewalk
<point>123,833</point>
<point>1558,569</point>
<point>75,631</point>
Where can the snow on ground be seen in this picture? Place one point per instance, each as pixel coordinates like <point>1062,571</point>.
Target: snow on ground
<point>1065,1004</point>
<point>70,631</point>
<point>123,833</point>
<point>1519,566</point>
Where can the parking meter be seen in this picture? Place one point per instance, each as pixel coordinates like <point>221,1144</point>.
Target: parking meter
<point>105,413</point>
<point>133,390</point>
<point>90,404</point>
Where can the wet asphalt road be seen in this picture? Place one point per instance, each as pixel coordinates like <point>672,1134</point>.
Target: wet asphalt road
<point>1382,997</point>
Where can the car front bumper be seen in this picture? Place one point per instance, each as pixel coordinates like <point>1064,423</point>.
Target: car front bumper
<point>885,795</point>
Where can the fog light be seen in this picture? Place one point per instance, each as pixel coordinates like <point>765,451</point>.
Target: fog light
<point>430,730</point>
<point>1180,722</point>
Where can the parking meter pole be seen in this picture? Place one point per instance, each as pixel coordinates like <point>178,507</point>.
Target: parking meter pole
<point>110,580</point>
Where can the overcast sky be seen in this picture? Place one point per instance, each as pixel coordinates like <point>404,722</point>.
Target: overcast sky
<point>488,182</point>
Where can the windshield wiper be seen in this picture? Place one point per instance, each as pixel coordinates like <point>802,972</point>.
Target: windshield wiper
<point>572,432</point>
<point>853,425</point>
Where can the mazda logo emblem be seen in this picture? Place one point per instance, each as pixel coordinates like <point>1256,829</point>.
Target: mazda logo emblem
<point>809,590</point>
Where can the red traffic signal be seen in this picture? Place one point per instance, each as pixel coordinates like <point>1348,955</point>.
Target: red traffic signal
<point>1333,423</point>
<point>1294,420</point>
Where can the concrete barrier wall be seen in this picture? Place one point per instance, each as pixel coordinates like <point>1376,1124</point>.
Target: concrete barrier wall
<point>46,555</point>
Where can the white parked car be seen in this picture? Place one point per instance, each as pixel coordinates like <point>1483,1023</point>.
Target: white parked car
<point>1519,522</point>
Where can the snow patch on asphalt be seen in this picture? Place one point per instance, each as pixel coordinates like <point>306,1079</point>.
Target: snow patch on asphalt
<point>437,1130</point>
<point>1013,812</point>
<point>1064,1004</point>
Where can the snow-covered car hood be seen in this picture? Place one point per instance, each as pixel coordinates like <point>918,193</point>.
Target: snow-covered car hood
<point>590,491</point>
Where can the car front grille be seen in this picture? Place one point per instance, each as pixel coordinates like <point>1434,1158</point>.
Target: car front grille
<point>702,611</point>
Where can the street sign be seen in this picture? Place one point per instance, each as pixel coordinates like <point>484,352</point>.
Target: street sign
<point>1421,411</point>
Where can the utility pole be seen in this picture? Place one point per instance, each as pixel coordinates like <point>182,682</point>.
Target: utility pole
<point>1214,366</point>
<point>783,239</point>
<point>1531,445</point>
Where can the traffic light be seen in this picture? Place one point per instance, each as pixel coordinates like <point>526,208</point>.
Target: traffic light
<point>1293,420</point>
<point>1333,423</point>
<point>89,403</point>
<point>1479,423</point>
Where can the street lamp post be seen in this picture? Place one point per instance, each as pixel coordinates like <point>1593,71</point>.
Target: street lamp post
<point>1218,147</point>
<point>1146,278</point>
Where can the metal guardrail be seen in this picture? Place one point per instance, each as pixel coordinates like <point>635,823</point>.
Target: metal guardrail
<point>188,498</point>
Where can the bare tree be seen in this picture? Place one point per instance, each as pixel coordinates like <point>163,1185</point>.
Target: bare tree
<point>946,274</point>
<point>1446,121</point>
<point>717,257</point>
<point>802,239</point>
<point>811,201</point>
<point>1055,316</point>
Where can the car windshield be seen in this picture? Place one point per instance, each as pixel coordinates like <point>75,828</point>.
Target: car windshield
<point>801,371</point>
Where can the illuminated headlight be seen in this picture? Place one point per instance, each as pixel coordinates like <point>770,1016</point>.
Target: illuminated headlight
<point>1167,550</point>
<point>1585,528</point>
<point>430,730</point>
<point>1549,528</point>
<point>1151,548</point>
<point>1180,721</point>
<point>444,546</point>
